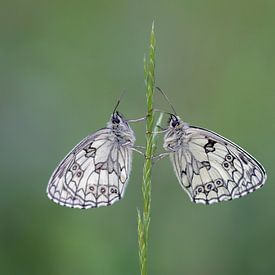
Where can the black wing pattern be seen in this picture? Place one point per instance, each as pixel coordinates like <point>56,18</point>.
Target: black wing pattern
<point>95,173</point>
<point>211,168</point>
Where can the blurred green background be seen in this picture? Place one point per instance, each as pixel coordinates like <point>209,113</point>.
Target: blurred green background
<point>63,64</point>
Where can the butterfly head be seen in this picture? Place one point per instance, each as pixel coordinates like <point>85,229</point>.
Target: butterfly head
<point>174,122</point>
<point>175,135</point>
<point>117,118</point>
<point>118,122</point>
<point>120,127</point>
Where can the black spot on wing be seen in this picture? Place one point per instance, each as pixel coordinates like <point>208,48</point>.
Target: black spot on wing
<point>209,146</point>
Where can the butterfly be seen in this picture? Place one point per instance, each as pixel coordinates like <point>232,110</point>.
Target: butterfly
<point>209,167</point>
<point>96,171</point>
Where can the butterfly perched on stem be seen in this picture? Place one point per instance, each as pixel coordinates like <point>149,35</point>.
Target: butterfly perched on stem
<point>96,171</point>
<point>209,167</point>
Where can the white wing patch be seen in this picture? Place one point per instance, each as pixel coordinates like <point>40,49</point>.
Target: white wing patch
<point>211,168</point>
<point>95,173</point>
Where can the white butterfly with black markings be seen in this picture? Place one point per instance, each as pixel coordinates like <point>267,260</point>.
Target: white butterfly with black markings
<point>96,171</point>
<point>209,167</point>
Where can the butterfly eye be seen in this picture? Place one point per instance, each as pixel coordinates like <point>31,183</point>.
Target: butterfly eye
<point>115,120</point>
<point>175,123</point>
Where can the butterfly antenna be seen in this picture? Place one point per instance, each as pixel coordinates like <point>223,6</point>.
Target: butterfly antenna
<point>167,99</point>
<point>118,102</point>
<point>168,113</point>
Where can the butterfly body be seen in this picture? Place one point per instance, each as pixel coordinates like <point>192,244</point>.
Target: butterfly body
<point>176,137</point>
<point>121,131</point>
<point>209,167</point>
<point>96,172</point>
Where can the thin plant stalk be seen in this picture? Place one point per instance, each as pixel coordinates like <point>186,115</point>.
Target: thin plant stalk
<point>144,217</point>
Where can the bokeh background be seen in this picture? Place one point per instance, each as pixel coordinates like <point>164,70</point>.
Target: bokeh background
<point>63,64</point>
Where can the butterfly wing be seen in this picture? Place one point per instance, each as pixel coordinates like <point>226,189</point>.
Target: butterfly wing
<point>211,168</point>
<point>95,173</point>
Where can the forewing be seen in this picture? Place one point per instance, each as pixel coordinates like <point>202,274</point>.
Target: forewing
<point>95,173</point>
<point>213,169</point>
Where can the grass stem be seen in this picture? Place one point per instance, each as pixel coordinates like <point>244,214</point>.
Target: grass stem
<point>144,217</point>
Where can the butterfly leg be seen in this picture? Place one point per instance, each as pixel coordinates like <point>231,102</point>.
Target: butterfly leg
<point>161,128</point>
<point>160,156</point>
<point>157,132</point>
<point>137,120</point>
<point>141,147</point>
<point>142,118</point>
<point>135,148</point>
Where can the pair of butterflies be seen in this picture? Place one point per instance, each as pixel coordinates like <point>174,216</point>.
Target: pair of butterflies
<point>209,167</point>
